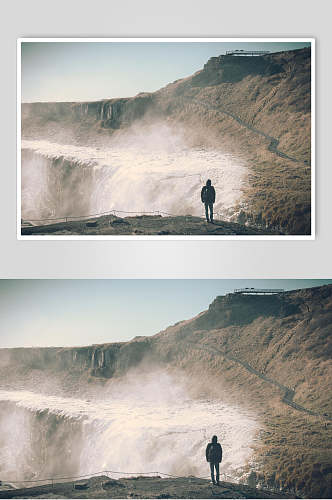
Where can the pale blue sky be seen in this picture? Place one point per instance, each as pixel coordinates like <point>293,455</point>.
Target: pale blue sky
<point>82,312</point>
<point>86,71</point>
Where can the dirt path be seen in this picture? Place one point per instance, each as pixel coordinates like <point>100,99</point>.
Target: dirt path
<point>272,147</point>
<point>288,394</point>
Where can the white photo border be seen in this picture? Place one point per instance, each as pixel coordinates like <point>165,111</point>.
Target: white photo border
<point>312,236</point>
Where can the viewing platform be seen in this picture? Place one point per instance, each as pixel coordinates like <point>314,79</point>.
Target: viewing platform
<point>257,291</point>
<point>241,52</point>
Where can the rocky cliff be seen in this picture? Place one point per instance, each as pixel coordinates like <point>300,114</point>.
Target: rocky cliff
<point>251,86</point>
<point>109,113</point>
<point>289,330</point>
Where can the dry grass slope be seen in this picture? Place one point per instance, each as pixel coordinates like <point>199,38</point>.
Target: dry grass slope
<point>273,101</point>
<point>286,339</point>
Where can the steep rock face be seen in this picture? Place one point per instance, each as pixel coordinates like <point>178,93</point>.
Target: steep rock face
<point>236,310</point>
<point>103,360</point>
<point>233,69</point>
<point>243,309</point>
<point>110,113</point>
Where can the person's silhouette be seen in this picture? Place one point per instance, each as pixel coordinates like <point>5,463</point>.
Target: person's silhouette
<point>214,456</point>
<point>208,197</point>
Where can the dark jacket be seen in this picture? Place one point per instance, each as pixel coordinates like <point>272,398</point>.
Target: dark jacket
<point>216,453</point>
<point>208,194</point>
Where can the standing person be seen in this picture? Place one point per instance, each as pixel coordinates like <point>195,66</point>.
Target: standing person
<point>214,456</point>
<point>208,197</point>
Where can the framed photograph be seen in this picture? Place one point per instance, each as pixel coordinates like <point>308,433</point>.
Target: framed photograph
<point>166,138</point>
<point>99,398</point>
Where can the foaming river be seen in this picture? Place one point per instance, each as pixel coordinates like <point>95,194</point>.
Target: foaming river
<point>63,180</point>
<point>157,429</point>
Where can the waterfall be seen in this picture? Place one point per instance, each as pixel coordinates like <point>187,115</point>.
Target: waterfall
<point>61,180</point>
<point>135,424</point>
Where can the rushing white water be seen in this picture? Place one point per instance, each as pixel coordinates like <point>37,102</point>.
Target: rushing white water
<point>154,428</point>
<point>135,176</point>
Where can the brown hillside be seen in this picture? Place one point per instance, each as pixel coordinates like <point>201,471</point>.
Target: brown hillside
<point>275,354</point>
<point>270,95</point>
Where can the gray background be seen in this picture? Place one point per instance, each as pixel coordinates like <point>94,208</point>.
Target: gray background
<point>165,259</point>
